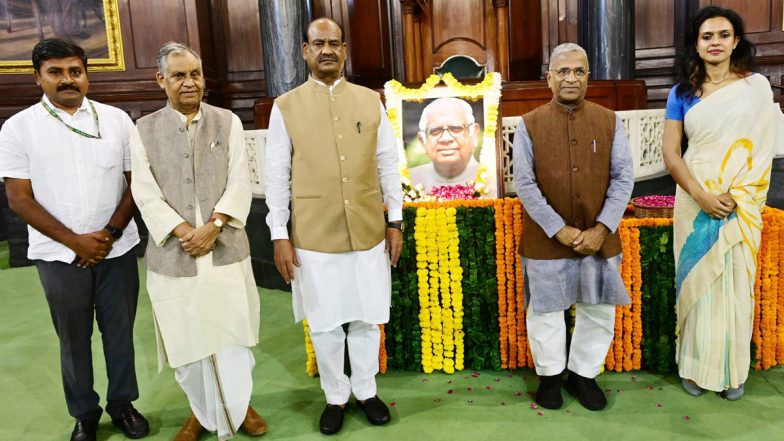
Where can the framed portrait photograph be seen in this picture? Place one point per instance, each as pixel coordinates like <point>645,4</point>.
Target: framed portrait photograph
<point>446,134</point>
<point>92,24</point>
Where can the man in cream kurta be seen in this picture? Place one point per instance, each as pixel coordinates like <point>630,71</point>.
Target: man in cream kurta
<point>193,190</point>
<point>331,153</point>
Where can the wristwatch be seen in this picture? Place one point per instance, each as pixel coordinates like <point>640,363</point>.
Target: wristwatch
<point>218,223</point>
<point>116,233</point>
<point>398,225</point>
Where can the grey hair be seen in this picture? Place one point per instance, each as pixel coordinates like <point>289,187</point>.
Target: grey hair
<point>469,111</point>
<point>169,48</point>
<point>564,48</point>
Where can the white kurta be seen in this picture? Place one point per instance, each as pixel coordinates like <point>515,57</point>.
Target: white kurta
<point>330,289</point>
<point>195,317</point>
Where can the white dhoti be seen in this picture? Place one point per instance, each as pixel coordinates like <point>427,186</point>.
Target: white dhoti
<point>205,326</point>
<point>330,289</point>
<point>594,328</point>
<point>219,388</point>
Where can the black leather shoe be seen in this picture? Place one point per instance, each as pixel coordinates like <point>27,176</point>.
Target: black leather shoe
<point>131,422</point>
<point>332,418</point>
<point>84,430</point>
<point>586,391</point>
<point>375,410</point>
<point>549,393</point>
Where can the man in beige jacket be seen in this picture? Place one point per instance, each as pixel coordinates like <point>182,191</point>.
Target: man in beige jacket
<point>331,153</point>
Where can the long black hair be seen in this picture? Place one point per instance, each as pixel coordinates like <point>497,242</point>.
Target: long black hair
<point>691,68</point>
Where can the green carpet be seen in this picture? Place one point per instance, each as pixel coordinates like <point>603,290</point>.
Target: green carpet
<point>466,406</point>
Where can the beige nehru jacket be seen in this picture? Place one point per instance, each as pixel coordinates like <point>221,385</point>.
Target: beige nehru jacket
<point>171,158</point>
<point>336,200</point>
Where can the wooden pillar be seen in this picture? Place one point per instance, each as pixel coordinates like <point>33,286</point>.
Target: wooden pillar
<point>502,33</point>
<point>421,69</point>
<point>410,42</point>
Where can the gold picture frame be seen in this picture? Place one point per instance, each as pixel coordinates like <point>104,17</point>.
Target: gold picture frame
<point>93,25</point>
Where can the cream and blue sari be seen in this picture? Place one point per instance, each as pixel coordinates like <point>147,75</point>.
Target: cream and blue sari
<point>732,137</point>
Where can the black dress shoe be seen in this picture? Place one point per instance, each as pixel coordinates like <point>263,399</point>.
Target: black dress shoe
<point>84,430</point>
<point>375,410</point>
<point>549,393</point>
<point>131,422</point>
<point>332,418</point>
<point>586,391</point>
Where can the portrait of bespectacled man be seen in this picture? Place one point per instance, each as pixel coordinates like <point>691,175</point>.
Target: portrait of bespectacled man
<point>443,140</point>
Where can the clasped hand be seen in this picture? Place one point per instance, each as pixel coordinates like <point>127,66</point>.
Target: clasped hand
<point>92,248</point>
<point>198,241</point>
<point>586,242</point>
<point>716,206</point>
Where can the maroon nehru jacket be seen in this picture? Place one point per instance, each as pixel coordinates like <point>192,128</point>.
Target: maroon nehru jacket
<point>572,175</point>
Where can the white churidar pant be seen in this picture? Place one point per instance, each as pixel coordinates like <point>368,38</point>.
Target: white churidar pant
<point>363,345</point>
<point>593,333</point>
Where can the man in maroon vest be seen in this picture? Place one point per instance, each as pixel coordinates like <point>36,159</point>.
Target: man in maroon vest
<point>574,174</point>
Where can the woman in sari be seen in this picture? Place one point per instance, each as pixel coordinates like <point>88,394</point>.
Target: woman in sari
<point>727,114</point>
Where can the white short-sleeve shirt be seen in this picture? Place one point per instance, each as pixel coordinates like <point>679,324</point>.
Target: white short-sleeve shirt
<point>78,180</point>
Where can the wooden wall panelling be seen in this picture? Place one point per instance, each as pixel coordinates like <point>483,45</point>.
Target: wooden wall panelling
<point>559,22</point>
<point>144,27</point>
<point>523,96</point>
<point>647,13</point>
<point>369,42</point>
<point>656,53</point>
<point>238,78</point>
<point>502,34</point>
<point>525,40</point>
<point>466,27</point>
<point>367,34</point>
<point>656,33</point>
<point>756,14</point>
<point>410,41</point>
<point>419,63</point>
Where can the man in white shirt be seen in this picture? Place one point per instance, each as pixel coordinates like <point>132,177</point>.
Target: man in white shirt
<point>331,153</point>
<point>192,185</point>
<point>66,166</point>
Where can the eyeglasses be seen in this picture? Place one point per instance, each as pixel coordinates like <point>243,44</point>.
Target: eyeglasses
<point>579,72</point>
<point>454,130</point>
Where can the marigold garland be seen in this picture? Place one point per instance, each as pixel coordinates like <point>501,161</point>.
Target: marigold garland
<point>310,364</point>
<point>440,290</point>
<point>522,338</point>
<point>634,259</point>
<point>511,284</point>
<point>501,264</point>
<point>440,293</point>
<point>382,351</point>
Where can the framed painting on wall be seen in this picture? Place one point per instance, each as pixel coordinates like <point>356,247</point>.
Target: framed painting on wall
<point>92,24</point>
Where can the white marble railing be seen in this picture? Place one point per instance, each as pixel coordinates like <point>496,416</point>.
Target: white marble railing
<point>255,144</point>
<point>643,127</point>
